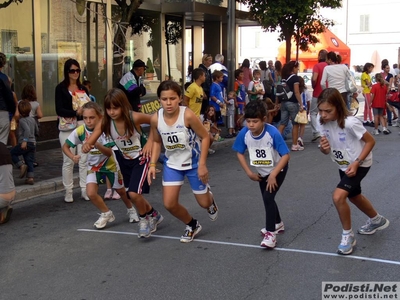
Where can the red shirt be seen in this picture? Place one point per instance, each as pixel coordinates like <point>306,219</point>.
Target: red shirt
<point>318,68</point>
<point>379,92</point>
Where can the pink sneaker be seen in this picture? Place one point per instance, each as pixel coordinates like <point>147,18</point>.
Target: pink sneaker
<point>269,240</point>
<point>116,196</point>
<point>108,195</point>
<point>297,148</point>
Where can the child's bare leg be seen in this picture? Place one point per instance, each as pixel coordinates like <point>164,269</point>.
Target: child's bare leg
<point>364,205</point>
<point>171,203</point>
<point>124,197</point>
<point>95,198</point>
<point>140,203</point>
<point>340,200</point>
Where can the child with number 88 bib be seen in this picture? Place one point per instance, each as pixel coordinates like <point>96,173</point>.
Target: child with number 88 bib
<point>269,153</point>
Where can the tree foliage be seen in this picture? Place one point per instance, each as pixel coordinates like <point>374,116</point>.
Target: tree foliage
<point>293,19</point>
<point>7,3</point>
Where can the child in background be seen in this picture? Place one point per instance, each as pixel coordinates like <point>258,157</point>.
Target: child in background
<point>230,114</point>
<point>241,95</point>
<point>378,103</point>
<point>27,131</point>
<point>100,161</point>
<point>305,98</point>
<point>349,144</point>
<point>13,118</point>
<point>180,131</point>
<point>209,122</point>
<point>216,94</point>
<point>256,87</point>
<point>272,111</point>
<point>29,93</point>
<point>133,158</point>
<point>269,153</point>
<point>88,85</point>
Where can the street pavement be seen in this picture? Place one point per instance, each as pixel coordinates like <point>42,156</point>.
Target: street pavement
<point>50,250</point>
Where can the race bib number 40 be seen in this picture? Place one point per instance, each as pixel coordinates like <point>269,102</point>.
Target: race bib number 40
<point>175,141</point>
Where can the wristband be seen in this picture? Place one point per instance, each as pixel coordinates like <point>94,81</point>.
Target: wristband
<point>153,164</point>
<point>218,102</point>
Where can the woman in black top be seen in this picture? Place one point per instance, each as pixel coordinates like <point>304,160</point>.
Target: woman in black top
<point>64,92</point>
<point>205,66</point>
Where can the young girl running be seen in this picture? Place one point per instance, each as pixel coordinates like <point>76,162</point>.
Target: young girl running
<point>349,144</point>
<point>100,161</point>
<point>378,103</point>
<point>180,131</point>
<point>269,153</point>
<point>121,125</point>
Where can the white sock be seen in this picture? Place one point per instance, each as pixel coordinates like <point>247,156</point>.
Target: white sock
<point>347,231</point>
<point>376,219</point>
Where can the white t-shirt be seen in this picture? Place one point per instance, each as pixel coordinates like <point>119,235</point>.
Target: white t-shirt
<point>346,144</point>
<point>336,76</point>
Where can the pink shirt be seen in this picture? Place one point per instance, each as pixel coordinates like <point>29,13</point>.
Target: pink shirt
<point>318,68</point>
<point>247,76</point>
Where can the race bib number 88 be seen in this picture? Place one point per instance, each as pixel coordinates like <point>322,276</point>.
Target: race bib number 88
<point>261,157</point>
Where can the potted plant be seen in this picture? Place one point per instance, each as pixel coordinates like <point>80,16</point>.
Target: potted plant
<point>149,69</point>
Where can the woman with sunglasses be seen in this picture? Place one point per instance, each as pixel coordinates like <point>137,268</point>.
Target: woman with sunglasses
<point>68,120</point>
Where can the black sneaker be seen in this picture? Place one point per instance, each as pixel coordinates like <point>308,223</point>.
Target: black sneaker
<point>190,233</point>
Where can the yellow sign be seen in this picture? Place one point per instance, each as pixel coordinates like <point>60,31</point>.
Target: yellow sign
<point>151,107</point>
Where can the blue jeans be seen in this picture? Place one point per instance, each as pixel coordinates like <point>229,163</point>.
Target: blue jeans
<point>28,154</point>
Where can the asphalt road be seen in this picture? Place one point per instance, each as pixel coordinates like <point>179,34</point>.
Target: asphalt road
<point>50,250</point>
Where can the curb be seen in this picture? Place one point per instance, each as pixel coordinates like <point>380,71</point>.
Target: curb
<point>42,188</point>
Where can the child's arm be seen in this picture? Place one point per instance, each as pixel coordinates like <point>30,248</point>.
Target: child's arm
<point>193,122</point>
<point>271,182</point>
<point>67,151</point>
<point>369,144</point>
<point>185,101</point>
<point>155,150</point>
<point>242,160</point>
<point>88,145</point>
<point>103,149</point>
<point>24,130</point>
<point>216,127</point>
<point>325,147</point>
<point>140,119</point>
<point>39,113</point>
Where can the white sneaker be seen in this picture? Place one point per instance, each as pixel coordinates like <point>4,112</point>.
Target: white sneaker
<point>84,195</point>
<point>211,151</point>
<point>133,216</point>
<point>108,195</point>
<point>68,197</point>
<point>279,228</point>
<point>375,132</point>
<point>116,196</point>
<point>300,142</point>
<point>269,240</point>
<point>104,219</point>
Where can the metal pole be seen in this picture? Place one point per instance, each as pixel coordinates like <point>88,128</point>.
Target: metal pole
<point>231,47</point>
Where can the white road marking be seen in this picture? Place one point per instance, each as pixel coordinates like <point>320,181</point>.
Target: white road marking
<point>385,261</point>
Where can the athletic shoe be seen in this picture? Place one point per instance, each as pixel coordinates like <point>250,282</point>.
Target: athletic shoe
<point>104,219</point>
<point>300,142</point>
<point>297,148</point>
<point>371,228</point>
<point>133,216</point>
<point>366,123</point>
<point>346,244</point>
<point>144,227</point>
<point>375,132</point>
<point>5,214</point>
<point>213,210</point>
<point>190,233</point>
<point>68,197</point>
<point>386,131</point>
<point>211,151</point>
<point>22,170</point>
<point>372,124</point>
<point>155,219</point>
<point>316,137</point>
<point>84,195</point>
<point>395,124</point>
<point>116,196</point>
<point>29,181</point>
<point>279,228</point>
<point>108,195</point>
<point>269,240</point>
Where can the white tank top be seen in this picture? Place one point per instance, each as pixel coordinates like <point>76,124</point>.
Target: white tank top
<point>129,147</point>
<point>182,146</point>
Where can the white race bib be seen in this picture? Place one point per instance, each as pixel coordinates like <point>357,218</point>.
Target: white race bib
<point>340,156</point>
<point>174,141</point>
<point>261,157</point>
<point>129,147</point>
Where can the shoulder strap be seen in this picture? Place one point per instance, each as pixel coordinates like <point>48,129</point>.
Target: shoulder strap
<point>133,122</point>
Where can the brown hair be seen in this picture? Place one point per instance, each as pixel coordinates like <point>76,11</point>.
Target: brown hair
<point>117,98</point>
<point>29,93</point>
<point>216,74</point>
<point>334,98</point>
<point>24,108</point>
<point>95,106</point>
<point>379,78</point>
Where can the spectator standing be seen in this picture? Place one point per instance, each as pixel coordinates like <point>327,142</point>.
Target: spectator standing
<point>266,79</point>
<point>205,66</point>
<point>194,93</point>
<point>64,91</point>
<point>247,76</point>
<point>318,69</point>
<point>7,104</point>
<point>256,87</point>
<point>378,103</point>
<point>366,85</point>
<point>216,94</point>
<point>219,66</point>
<point>132,84</point>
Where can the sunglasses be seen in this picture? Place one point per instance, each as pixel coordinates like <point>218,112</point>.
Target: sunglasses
<point>72,71</point>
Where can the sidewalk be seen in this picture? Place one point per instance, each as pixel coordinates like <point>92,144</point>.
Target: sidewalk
<point>48,175</point>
